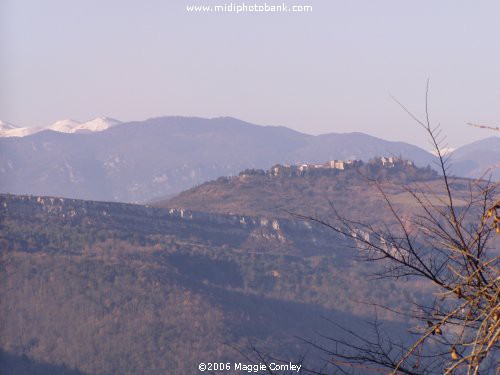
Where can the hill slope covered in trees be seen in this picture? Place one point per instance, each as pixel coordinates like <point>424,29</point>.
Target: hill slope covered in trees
<point>104,288</point>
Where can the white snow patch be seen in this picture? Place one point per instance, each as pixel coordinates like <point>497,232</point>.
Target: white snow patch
<point>96,125</point>
<point>10,130</point>
<point>63,126</point>
<point>444,151</point>
<point>160,179</point>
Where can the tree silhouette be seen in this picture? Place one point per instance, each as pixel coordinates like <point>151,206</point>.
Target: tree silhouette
<point>448,241</point>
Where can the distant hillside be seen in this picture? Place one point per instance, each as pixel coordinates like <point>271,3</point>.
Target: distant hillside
<point>478,159</point>
<point>108,288</point>
<point>142,161</point>
<point>258,192</point>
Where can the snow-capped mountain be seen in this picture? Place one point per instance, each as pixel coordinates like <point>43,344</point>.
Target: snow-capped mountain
<point>5,126</point>
<point>444,151</point>
<point>63,126</point>
<point>9,130</point>
<point>96,125</point>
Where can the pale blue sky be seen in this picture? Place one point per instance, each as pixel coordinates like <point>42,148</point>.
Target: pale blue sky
<point>331,70</point>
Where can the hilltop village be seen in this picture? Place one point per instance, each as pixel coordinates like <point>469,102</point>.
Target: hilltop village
<point>335,166</point>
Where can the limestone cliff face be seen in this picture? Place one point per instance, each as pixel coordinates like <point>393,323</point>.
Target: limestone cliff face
<point>284,235</point>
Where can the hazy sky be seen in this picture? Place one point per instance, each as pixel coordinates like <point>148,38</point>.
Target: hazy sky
<point>330,70</point>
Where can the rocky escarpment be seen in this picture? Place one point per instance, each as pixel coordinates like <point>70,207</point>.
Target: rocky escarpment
<point>268,234</point>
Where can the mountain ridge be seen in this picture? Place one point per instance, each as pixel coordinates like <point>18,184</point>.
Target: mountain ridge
<point>63,126</point>
<point>143,160</point>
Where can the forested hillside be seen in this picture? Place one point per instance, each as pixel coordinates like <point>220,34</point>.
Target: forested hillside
<point>103,288</point>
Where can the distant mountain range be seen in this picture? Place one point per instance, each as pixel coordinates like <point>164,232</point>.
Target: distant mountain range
<point>9,130</point>
<point>64,126</point>
<point>157,158</point>
<point>478,159</point>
